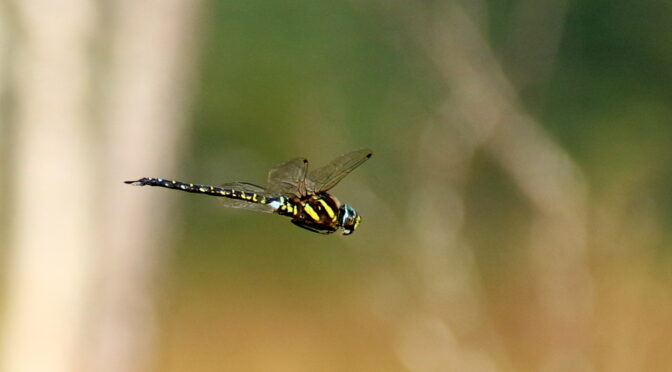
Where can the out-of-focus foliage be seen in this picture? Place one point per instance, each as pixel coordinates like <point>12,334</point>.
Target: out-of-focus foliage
<point>318,78</point>
<point>312,79</point>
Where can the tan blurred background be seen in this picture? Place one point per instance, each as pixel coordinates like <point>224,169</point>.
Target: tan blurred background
<point>517,210</point>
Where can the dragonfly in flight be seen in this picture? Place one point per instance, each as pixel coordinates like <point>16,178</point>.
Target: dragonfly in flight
<point>293,191</point>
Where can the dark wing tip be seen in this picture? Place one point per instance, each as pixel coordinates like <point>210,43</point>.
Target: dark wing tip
<point>135,183</point>
<point>366,151</point>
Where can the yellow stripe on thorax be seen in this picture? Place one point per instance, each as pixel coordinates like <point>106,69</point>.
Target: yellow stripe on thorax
<point>311,212</point>
<point>327,208</point>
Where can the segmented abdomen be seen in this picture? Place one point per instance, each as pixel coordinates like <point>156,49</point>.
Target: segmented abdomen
<point>199,189</point>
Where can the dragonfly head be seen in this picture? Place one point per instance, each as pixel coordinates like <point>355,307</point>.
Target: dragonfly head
<point>348,219</point>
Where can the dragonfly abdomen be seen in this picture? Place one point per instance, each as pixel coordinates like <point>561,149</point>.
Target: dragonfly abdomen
<point>200,189</point>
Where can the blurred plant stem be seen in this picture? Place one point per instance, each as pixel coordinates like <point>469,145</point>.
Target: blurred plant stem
<point>49,261</point>
<point>531,50</point>
<point>143,113</point>
<point>483,112</point>
<point>84,247</point>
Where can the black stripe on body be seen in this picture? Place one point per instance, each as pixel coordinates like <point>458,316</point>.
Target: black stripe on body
<point>321,209</point>
<point>199,189</point>
<point>317,213</point>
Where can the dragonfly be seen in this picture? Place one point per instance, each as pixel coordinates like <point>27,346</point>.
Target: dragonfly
<point>293,190</point>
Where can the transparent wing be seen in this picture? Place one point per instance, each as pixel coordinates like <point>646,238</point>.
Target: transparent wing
<point>249,190</point>
<point>288,178</point>
<point>323,179</point>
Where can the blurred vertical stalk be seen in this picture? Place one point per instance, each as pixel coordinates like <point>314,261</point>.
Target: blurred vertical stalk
<point>535,34</point>
<point>454,308</point>
<point>83,246</point>
<point>483,112</point>
<point>51,231</point>
<point>4,116</point>
<point>143,113</point>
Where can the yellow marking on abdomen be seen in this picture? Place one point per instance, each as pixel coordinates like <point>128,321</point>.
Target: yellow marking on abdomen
<point>311,212</point>
<point>327,208</point>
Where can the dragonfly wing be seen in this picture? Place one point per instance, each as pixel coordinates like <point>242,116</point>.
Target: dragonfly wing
<point>251,191</point>
<point>323,179</point>
<point>288,178</point>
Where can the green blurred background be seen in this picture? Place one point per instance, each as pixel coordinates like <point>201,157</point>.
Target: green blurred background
<point>517,212</point>
<point>319,78</point>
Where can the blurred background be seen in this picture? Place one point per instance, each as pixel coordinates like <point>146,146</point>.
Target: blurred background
<point>517,213</point>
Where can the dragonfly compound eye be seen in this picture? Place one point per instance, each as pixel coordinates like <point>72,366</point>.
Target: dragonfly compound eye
<point>348,219</point>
